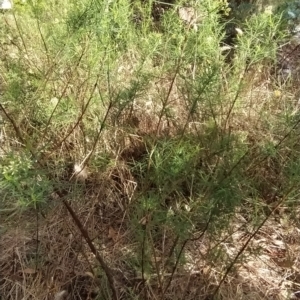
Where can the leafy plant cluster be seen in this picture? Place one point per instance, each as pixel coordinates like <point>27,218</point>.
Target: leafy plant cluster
<point>95,83</point>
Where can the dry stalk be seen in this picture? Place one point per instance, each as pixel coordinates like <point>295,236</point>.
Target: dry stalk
<point>84,233</point>
<point>243,248</point>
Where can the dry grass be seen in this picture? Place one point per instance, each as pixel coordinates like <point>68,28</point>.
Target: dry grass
<point>49,259</point>
<point>251,255</point>
<point>61,261</point>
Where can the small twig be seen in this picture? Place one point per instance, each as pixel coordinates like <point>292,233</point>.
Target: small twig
<point>84,233</point>
<point>172,248</point>
<point>81,115</point>
<point>37,238</point>
<point>13,123</point>
<point>176,264</point>
<point>241,251</point>
<point>20,33</point>
<point>143,255</point>
<point>181,251</point>
<point>159,274</point>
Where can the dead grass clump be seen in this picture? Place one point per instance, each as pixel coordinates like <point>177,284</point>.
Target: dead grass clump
<point>19,277</point>
<point>58,261</point>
